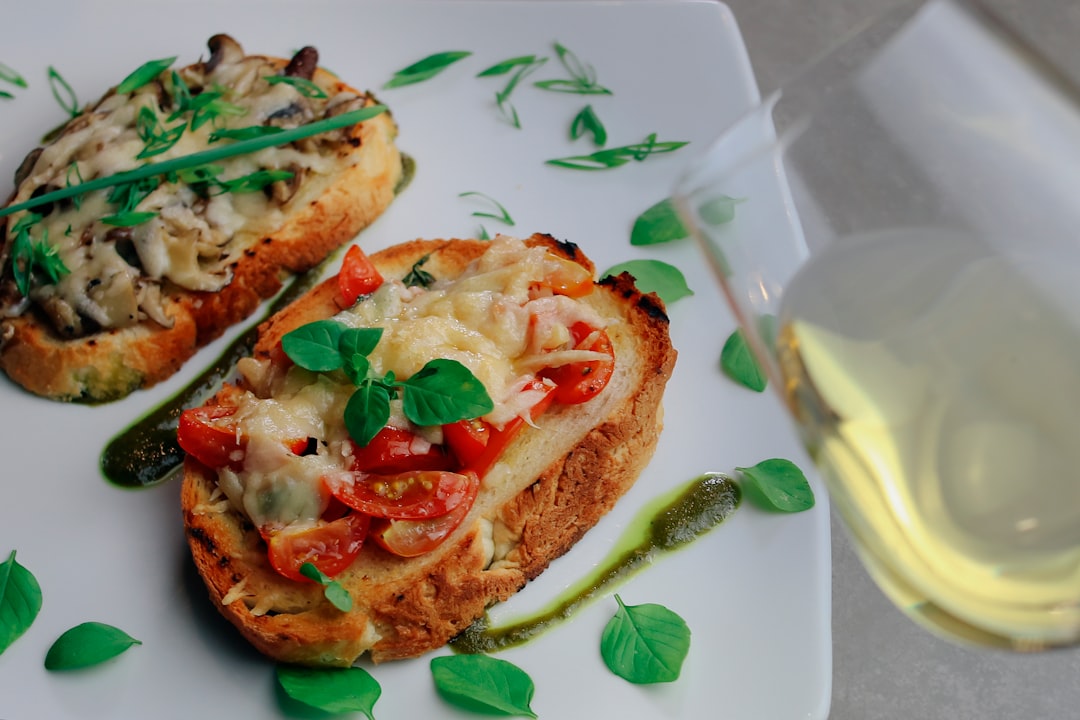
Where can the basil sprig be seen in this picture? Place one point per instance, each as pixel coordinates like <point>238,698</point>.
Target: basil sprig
<point>333,591</point>
<point>739,363</point>
<point>662,278</point>
<point>90,643</point>
<point>780,484</point>
<point>20,601</point>
<point>443,391</point>
<point>582,79</point>
<point>338,690</point>
<point>617,156</point>
<point>483,684</point>
<point>426,68</point>
<point>645,644</point>
<point>417,276</point>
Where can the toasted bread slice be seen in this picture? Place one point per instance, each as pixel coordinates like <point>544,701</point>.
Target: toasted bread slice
<point>140,299</point>
<point>552,484</point>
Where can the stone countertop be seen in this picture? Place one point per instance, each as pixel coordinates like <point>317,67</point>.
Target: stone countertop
<point>884,666</point>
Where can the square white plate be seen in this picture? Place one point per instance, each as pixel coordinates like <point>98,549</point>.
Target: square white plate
<point>755,591</point>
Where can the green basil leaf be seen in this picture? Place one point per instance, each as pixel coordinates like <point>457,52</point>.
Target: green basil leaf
<point>426,68</point>
<point>781,483</point>
<point>87,644</point>
<point>659,224</point>
<point>444,391</point>
<point>645,643</point>
<point>333,591</point>
<point>359,341</point>
<point>417,276</point>
<point>483,684</point>
<point>366,412</point>
<point>315,346</point>
<point>656,276</point>
<point>305,87</point>
<point>501,68</point>
<point>718,210</point>
<point>20,601</point>
<point>587,121</point>
<point>143,74</point>
<point>339,690</point>
<point>739,363</point>
<point>356,366</point>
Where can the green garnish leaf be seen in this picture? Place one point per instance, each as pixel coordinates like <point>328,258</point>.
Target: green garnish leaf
<point>333,591</point>
<point>30,258</point>
<point>128,219</point>
<point>483,684</point>
<point>656,276</point>
<point>582,76</point>
<point>500,213</point>
<point>444,391</point>
<point>718,210</point>
<point>366,412</point>
<point>63,93</point>
<point>9,74</point>
<point>303,86</point>
<point>417,276</point>
<point>87,644</point>
<point>659,224</point>
<point>20,601</point>
<point>739,363</point>
<point>315,346</point>
<point>614,157</point>
<point>338,690</point>
<point>6,95</point>
<point>502,97</point>
<point>156,138</point>
<point>645,643</point>
<point>244,133</point>
<point>204,157</point>
<point>501,68</point>
<point>587,121</point>
<point>781,483</point>
<point>426,68</point>
<point>359,341</point>
<point>143,74</point>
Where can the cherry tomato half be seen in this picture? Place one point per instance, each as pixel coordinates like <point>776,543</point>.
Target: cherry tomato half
<point>358,276</point>
<point>582,381</point>
<point>412,495</point>
<point>329,546</point>
<point>394,450</point>
<point>209,434</point>
<point>568,278</point>
<point>409,538</point>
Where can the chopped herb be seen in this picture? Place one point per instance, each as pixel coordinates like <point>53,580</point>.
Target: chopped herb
<point>129,219</point>
<point>204,157</point>
<point>20,601</point>
<point>31,259</point>
<point>505,66</point>
<point>6,95</point>
<point>500,213</point>
<point>659,224</point>
<point>156,138</point>
<point>614,157</point>
<point>483,684</point>
<point>338,690</point>
<point>303,86</point>
<point>333,591</point>
<point>781,484</point>
<point>74,167</point>
<point>417,276</point>
<point>587,121</point>
<point>739,364</point>
<point>655,276</point>
<point>253,182</point>
<point>143,74</point>
<point>522,67</point>
<point>426,68</point>
<point>63,93</point>
<point>87,644</point>
<point>582,76</point>
<point>645,644</point>
<point>9,74</point>
<point>244,133</point>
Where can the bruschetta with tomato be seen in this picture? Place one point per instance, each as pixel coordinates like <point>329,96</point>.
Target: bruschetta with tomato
<point>112,290</point>
<point>426,431</point>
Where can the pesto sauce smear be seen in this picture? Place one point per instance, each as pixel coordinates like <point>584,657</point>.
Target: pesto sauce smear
<point>667,524</point>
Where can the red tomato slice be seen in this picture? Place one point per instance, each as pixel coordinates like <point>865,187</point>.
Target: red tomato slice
<point>582,381</point>
<point>568,278</point>
<point>407,496</point>
<point>358,276</point>
<point>329,546</point>
<point>394,450</point>
<point>209,435</point>
<point>409,538</point>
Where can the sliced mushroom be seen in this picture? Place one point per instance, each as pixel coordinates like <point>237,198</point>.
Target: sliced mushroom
<point>303,63</point>
<point>26,167</point>
<point>223,49</point>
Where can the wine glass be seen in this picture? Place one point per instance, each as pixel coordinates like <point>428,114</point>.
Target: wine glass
<point>903,256</point>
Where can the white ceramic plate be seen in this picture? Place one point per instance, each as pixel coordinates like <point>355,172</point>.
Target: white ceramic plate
<point>755,591</point>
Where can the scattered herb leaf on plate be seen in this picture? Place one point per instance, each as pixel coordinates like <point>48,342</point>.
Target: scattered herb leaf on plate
<point>617,156</point>
<point>426,68</point>
<point>718,210</point>
<point>587,121</point>
<point>645,644</point>
<point>656,276</point>
<point>63,92</point>
<point>337,690</point>
<point>501,215</point>
<point>483,684</point>
<point>781,484</point>
<point>582,79</point>
<point>20,601</point>
<point>90,643</point>
<point>659,224</point>
<point>739,363</point>
<point>9,74</point>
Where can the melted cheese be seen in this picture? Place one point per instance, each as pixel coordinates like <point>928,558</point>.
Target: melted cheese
<point>193,240</point>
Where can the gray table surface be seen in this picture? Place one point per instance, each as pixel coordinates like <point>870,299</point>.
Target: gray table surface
<point>884,666</point>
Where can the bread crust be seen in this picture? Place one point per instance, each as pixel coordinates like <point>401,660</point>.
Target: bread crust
<point>552,485</point>
<point>108,365</point>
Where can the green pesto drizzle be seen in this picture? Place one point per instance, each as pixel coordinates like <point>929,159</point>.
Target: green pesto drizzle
<point>667,524</point>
